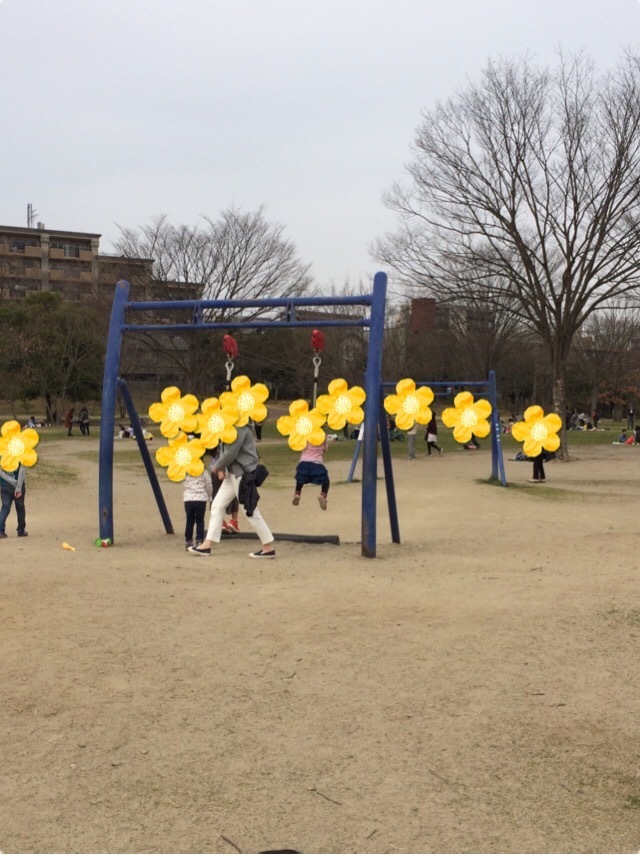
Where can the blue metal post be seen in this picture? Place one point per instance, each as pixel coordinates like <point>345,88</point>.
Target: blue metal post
<point>109,388</point>
<point>138,432</point>
<point>373,379</point>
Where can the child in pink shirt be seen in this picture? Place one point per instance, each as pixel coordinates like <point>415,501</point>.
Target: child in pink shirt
<point>311,470</point>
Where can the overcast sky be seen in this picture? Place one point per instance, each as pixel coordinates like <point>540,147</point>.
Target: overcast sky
<point>115,111</point>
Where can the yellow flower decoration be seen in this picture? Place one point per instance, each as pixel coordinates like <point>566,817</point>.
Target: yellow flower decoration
<point>409,405</point>
<point>17,447</point>
<point>249,400</point>
<point>467,418</point>
<point>537,431</point>
<point>342,404</point>
<point>175,413</point>
<point>216,422</point>
<point>182,457</point>
<point>302,426</point>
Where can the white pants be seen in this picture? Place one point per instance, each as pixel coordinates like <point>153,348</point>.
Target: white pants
<point>227,492</point>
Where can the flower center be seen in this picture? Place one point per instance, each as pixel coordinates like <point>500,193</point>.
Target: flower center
<point>539,432</point>
<point>183,457</point>
<point>304,426</point>
<point>469,417</point>
<point>216,424</point>
<point>246,402</point>
<point>176,413</point>
<point>411,404</point>
<point>343,405</point>
<point>16,446</point>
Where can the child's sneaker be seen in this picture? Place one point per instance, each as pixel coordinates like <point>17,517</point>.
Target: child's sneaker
<point>188,543</point>
<point>233,527</point>
<point>322,501</point>
<point>296,499</point>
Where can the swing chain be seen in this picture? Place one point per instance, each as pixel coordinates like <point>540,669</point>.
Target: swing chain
<point>229,366</point>
<point>317,362</point>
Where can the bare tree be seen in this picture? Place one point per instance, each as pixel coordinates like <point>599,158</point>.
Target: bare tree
<point>525,189</point>
<point>606,355</point>
<point>240,256</point>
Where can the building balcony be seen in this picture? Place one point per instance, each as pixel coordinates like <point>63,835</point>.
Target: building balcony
<point>23,273</point>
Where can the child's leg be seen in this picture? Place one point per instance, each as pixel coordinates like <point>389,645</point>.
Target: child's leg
<point>7,499</point>
<point>190,520</point>
<point>322,498</point>
<point>199,512</point>
<point>21,513</point>
<point>297,492</point>
<point>233,509</point>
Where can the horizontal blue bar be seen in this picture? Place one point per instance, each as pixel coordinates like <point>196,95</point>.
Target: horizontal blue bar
<point>363,322</point>
<point>280,302</point>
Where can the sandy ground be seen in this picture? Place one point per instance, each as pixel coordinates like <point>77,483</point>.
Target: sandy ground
<point>475,689</point>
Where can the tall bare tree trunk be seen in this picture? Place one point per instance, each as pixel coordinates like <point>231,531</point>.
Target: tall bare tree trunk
<point>559,407</point>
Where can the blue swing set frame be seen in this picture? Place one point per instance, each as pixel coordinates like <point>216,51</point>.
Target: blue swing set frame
<point>123,309</point>
<point>486,387</point>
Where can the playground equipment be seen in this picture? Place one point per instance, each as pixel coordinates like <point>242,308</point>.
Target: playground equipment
<point>201,311</point>
<point>486,387</point>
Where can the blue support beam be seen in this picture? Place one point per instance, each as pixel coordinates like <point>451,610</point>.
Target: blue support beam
<point>385,446</point>
<point>138,432</point>
<point>371,410</point>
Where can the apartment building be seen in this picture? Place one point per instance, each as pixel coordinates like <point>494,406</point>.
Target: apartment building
<point>41,259</point>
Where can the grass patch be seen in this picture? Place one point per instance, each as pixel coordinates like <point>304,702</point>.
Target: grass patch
<point>45,471</point>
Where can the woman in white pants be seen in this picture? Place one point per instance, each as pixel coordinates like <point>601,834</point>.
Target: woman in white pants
<point>236,460</point>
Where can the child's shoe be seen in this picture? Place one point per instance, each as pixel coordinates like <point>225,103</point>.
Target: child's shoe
<point>233,527</point>
<point>23,533</point>
<point>188,543</point>
<point>296,499</point>
<point>322,501</point>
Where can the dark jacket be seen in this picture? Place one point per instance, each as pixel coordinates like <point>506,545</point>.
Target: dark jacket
<point>248,495</point>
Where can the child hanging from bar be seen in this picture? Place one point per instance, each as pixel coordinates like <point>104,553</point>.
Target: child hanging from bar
<point>311,470</point>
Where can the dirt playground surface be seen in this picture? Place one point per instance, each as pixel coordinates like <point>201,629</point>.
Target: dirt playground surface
<point>475,689</point>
